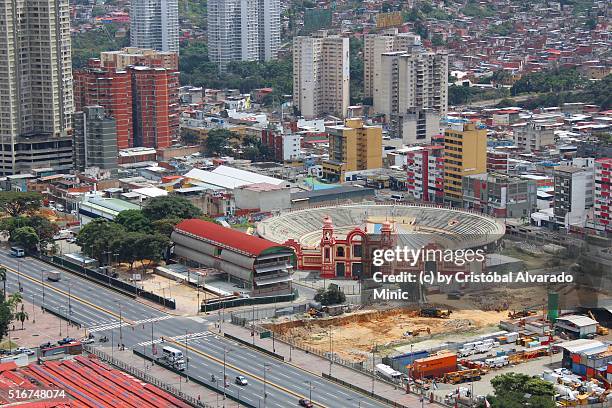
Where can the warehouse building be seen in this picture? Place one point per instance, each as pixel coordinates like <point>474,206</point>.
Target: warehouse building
<point>257,266</point>
<point>576,326</point>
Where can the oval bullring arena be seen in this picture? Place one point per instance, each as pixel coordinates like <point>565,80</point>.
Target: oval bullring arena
<point>413,224</point>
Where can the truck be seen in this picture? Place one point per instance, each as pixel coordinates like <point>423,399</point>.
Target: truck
<point>388,373</point>
<point>172,357</point>
<point>497,362</point>
<point>54,276</point>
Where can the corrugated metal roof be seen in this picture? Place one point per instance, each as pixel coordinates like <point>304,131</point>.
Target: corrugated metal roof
<point>247,176</point>
<point>578,320</point>
<point>226,237</point>
<point>215,179</point>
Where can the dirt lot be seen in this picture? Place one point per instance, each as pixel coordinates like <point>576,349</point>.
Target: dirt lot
<point>355,334</point>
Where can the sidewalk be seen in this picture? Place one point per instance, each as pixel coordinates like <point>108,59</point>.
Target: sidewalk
<point>318,365</point>
<point>196,391</point>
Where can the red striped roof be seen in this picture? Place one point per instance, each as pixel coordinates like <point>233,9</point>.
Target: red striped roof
<point>225,237</point>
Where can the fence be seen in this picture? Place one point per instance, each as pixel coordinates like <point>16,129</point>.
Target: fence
<point>115,284</point>
<point>223,304</point>
<point>145,377</point>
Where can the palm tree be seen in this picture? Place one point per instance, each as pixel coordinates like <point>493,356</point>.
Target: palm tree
<point>3,278</point>
<point>22,316</point>
<point>15,299</point>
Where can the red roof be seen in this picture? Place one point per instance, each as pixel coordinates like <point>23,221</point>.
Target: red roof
<point>86,382</point>
<point>225,236</point>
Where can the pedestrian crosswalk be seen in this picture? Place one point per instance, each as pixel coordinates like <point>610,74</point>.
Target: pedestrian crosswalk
<point>154,319</point>
<point>107,326</point>
<point>183,337</point>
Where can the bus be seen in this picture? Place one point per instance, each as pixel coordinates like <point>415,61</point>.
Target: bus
<point>17,252</point>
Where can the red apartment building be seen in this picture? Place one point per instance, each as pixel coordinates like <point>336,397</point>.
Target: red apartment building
<point>143,101</point>
<point>155,106</point>
<point>603,193</point>
<point>425,173</point>
<point>95,85</point>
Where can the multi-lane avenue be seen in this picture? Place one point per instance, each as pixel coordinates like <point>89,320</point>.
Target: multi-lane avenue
<point>126,321</point>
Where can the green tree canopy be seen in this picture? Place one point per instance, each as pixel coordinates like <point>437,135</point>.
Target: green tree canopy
<point>96,237</point>
<point>26,238</point>
<point>217,141</point>
<point>516,390</point>
<point>170,206</point>
<point>331,296</point>
<point>16,203</point>
<point>133,220</point>
<point>165,226</point>
<point>44,228</point>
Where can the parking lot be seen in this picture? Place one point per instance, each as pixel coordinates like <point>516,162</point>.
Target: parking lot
<point>483,387</point>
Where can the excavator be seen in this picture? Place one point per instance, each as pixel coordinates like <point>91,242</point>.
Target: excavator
<point>435,312</point>
<point>601,330</point>
<point>417,331</point>
<point>526,312</point>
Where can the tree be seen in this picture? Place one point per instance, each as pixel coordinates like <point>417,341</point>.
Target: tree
<point>3,279</point>
<point>217,141</point>
<point>331,296</point>
<point>126,247</point>
<point>151,248</point>
<point>96,237</point>
<point>165,226</point>
<point>22,316</point>
<point>15,203</point>
<point>133,220</point>
<point>520,390</point>
<point>44,228</point>
<point>5,318</point>
<point>26,237</point>
<point>170,206</point>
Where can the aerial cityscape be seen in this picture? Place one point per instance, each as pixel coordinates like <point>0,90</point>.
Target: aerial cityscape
<point>300,203</point>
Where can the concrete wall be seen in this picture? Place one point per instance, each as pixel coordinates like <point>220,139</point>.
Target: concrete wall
<point>264,200</point>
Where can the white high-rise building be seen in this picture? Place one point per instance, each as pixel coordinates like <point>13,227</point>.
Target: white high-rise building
<point>36,100</point>
<point>321,75</point>
<point>377,44</point>
<point>154,24</point>
<point>411,90</point>
<point>243,30</point>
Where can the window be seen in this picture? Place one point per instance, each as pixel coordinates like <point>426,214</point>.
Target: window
<point>340,251</point>
<point>357,251</point>
<point>327,252</point>
<point>218,251</point>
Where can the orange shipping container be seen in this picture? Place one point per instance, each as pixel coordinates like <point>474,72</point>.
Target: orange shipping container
<point>434,366</point>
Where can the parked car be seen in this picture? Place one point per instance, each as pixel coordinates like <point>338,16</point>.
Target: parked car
<point>305,403</point>
<point>45,345</point>
<point>87,340</point>
<point>241,380</point>
<point>66,340</point>
<point>21,350</point>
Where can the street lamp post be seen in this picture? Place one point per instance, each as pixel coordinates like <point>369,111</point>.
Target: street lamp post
<point>265,368</point>
<point>309,390</point>
<point>42,283</point>
<point>60,320</point>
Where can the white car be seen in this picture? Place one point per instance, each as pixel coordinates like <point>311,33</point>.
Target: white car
<point>24,350</point>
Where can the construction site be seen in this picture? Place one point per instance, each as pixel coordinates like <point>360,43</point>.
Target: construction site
<point>355,334</point>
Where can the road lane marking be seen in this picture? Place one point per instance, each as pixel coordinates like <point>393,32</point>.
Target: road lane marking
<point>53,288</point>
<point>240,370</point>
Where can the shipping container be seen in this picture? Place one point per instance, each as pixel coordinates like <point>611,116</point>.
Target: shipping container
<point>610,367</point>
<point>435,366</point>
<point>578,369</point>
<point>576,358</point>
